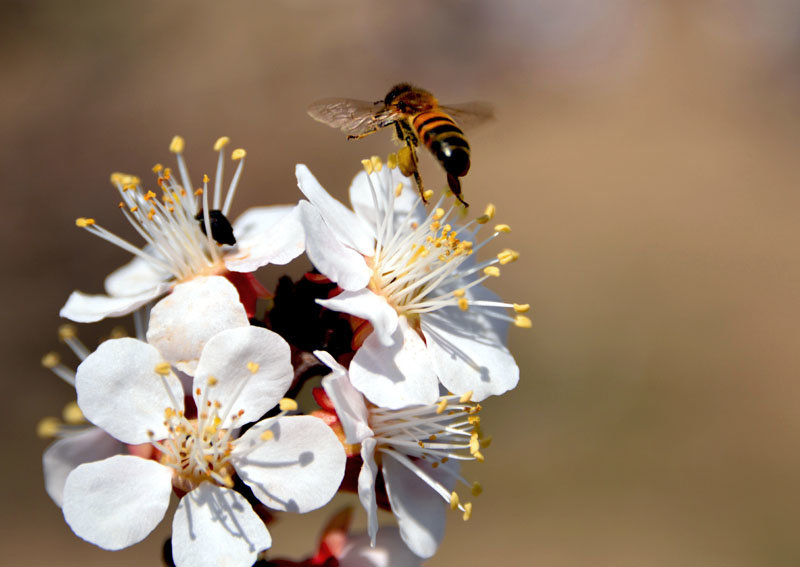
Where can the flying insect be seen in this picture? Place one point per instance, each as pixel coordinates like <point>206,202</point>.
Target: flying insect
<point>417,118</point>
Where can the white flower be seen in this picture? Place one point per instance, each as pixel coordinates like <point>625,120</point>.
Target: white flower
<point>418,448</point>
<point>178,245</point>
<point>414,277</point>
<point>125,387</point>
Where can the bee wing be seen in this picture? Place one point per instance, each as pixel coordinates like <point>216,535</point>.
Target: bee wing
<point>470,114</point>
<point>350,115</point>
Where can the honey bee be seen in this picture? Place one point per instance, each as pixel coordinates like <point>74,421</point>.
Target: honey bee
<point>417,117</point>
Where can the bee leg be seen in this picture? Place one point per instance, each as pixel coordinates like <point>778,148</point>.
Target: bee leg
<point>407,162</point>
<point>362,134</point>
<point>455,187</point>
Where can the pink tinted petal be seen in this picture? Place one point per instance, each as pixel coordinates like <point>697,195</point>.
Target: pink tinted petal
<point>64,455</point>
<point>389,551</point>
<point>137,276</point>
<point>266,235</point>
<point>217,526</point>
<point>340,263</point>
<point>344,223</point>
<point>366,487</point>
<point>195,311</point>
<point>253,372</point>
<point>468,355</point>
<point>348,402</point>
<point>298,470</point>
<point>421,513</point>
<point>84,308</point>
<point>395,376</point>
<point>116,502</point>
<point>367,305</point>
<point>120,391</point>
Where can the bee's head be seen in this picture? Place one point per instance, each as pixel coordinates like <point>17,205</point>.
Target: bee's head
<point>396,91</point>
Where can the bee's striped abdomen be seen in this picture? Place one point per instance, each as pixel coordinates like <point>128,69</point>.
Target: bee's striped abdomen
<point>444,139</point>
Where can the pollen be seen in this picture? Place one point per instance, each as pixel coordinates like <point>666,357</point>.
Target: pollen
<point>238,154</point>
<point>522,307</point>
<point>523,322</point>
<point>477,489</point>
<point>441,406</point>
<point>463,304</point>
<point>252,367</point>
<point>163,369</point>
<point>288,404</point>
<point>377,164</point>
<point>48,427</point>
<point>205,178</point>
<point>438,214</point>
<point>118,333</point>
<point>507,256</point>
<point>398,190</point>
<point>391,161</point>
<point>502,228</point>
<point>66,332</point>
<point>467,511</point>
<point>492,271</point>
<point>221,143</point>
<point>72,414</point>
<point>176,145</point>
<point>460,292</point>
<point>454,500</point>
<point>427,194</point>
<point>367,165</point>
<point>83,222</point>
<point>268,435</point>
<point>466,397</point>
<point>51,360</point>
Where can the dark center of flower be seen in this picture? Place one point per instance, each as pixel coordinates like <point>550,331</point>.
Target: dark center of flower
<point>221,229</point>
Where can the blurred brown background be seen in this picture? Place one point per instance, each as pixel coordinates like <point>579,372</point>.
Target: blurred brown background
<point>645,154</point>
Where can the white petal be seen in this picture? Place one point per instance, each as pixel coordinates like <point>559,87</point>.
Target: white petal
<point>348,402</point>
<point>120,391</point>
<point>395,376</point>
<point>195,311</point>
<point>84,308</point>
<point>266,235</point>
<point>117,502</point>
<point>482,293</point>
<point>340,263</point>
<point>217,526</point>
<point>344,223</point>
<point>468,354</point>
<point>64,455</point>
<point>389,551</point>
<point>367,305</point>
<point>421,513</point>
<point>137,276</point>
<point>252,369</point>
<point>361,197</point>
<point>366,487</point>
<point>298,470</point>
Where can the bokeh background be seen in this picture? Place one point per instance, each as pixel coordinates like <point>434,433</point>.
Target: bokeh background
<point>645,154</point>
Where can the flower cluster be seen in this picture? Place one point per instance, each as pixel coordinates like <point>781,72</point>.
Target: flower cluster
<point>392,315</point>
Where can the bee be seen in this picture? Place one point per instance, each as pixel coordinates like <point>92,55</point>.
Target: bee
<point>417,117</point>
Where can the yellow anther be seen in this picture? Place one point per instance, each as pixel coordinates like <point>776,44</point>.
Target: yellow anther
<point>268,435</point>
<point>523,322</point>
<point>205,178</point>
<point>121,205</point>
<point>454,500</point>
<point>72,414</point>
<point>435,465</point>
<point>467,511</point>
<point>134,208</point>
<point>51,360</point>
<point>150,214</point>
<point>466,397</point>
<point>116,178</point>
<point>474,444</point>
<point>507,256</point>
<point>163,368</point>
<point>157,168</point>
<point>463,304</point>
<point>198,192</point>
<point>441,406</point>
<point>486,441</point>
<point>377,164</point>
<point>48,427</point>
<point>432,437</point>
<point>421,444</point>
<point>438,214</point>
<point>238,154</point>
<point>83,222</point>
<point>502,228</point>
<point>479,456</point>
<point>176,145</point>
<point>492,271</point>
<point>287,404</point>
<point>398,190</point>
<point>391,163</point>
<point>460,292</point>
<point>212,381</point>
<point>149,195</point>
<point>522,307</point>
<point>221,143</point>
<point>118,332</point>
<point>477,489</point>
<point>67,331</point>
<point>488,213</point>
<point>367,165</point>
<point>427,194</point>
<point>252,367</point>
